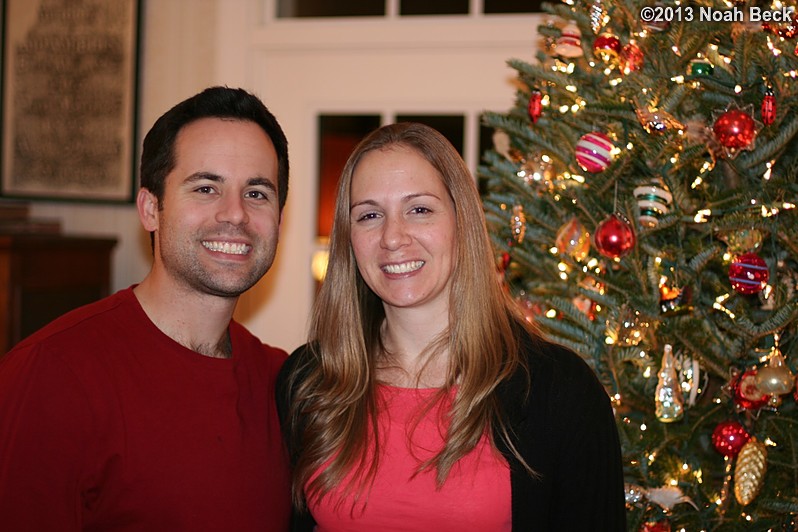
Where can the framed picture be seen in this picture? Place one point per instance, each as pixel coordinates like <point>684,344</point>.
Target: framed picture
<point>69,99</point>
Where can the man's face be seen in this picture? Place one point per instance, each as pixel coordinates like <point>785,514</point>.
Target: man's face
<point>216,229</point>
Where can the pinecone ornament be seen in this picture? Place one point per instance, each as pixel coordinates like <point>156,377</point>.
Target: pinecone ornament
<point>749,474</point>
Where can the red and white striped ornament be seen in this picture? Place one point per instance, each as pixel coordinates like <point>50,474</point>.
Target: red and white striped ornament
<point>748,273</point>
<point>569,43</point>
<point>594,152</point>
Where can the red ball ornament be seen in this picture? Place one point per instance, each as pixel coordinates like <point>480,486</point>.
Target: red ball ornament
<point>614,236</point>
<point>607,47</point>
<point>748,274</point>
<point>631,58</point>
<point>535,107</point>
<point>735,129</point>
<point>662,525</point>
<point>729,437</point>
<point>746,395</point>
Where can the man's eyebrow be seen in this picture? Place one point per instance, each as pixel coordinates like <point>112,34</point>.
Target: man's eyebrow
<point>253,181</point>
<point>199,176</point>
<point>262,182</point>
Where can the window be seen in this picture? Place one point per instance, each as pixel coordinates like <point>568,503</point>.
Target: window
<point>452,126</point>
<point>377,8</point>
<point>338,136</point>
<point>326,8</point>
<point>438,7</point>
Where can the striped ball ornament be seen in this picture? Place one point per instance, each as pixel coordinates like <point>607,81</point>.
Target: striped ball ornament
<point>569,44</point>
<point>653,202</point>
<point>594,152</point>
<point>748,274</point>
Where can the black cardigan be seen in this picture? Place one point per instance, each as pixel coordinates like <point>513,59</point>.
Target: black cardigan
<point>565,431</point>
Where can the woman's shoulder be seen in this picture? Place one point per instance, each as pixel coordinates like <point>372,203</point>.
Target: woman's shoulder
<point>557,366</point>
<point>299,357</point>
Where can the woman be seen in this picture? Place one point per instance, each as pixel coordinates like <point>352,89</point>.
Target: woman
<point>423,400</point>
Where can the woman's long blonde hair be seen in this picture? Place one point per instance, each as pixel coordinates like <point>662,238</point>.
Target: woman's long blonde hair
<point>333,408</point>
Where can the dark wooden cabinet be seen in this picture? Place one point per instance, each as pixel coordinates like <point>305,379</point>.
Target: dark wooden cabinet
<point>45,276</point>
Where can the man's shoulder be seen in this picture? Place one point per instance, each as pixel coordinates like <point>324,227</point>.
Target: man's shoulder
<point>250,343</point>
<point>93,317</point>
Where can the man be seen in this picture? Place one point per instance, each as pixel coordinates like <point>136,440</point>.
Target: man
<point>152,409</point>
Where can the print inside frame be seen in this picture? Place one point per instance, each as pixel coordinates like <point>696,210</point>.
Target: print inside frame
<point>69,99</point>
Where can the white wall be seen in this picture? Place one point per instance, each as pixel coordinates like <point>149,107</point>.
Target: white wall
<point>177,39</point>
<point>300,69</point>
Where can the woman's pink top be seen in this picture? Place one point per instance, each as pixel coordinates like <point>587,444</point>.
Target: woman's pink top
<point>475,496</point>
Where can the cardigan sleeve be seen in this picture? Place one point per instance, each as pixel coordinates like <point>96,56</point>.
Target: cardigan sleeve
<point>290,373</point>
<point>589,492</point>
<point>565,430</point>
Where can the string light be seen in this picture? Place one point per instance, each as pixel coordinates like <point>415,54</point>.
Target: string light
<point>702,216</point>
<point>718,305</point>
<point>769,170</point>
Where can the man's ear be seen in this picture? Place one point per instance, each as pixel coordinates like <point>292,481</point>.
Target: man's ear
<point>147,205</point>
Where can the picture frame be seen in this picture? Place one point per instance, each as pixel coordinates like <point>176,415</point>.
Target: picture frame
<point>69,86</point>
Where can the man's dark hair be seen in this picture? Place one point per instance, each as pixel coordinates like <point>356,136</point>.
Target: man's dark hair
<point>158,152</point>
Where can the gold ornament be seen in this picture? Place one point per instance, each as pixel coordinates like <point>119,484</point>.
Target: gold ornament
<point>668,395</point>
<point>626,327</point>
<point>537,171</point>
<point>749,474</point>
<point>775,378</point>
<point>518,223</point>
<point>742,240</point>
<point>573,239</point>
<point>656,121</point>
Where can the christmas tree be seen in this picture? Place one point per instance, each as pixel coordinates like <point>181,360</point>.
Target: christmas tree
<point>641,196</point>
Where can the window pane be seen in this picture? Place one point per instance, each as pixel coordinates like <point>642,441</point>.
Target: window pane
<point>328,8</point>
<point>485,144</point>
<point>338,136</point>
<point>512,6</point>
<point>451,126</point>
<point>436,7</point>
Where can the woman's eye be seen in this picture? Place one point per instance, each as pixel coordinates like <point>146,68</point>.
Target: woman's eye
<point>421,210</point>
<point>367,216</point>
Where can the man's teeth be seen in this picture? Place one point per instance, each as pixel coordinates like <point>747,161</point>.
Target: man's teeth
<point>405,267</point>
<point>231,248</point>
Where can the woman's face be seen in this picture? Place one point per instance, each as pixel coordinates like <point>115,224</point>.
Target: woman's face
<point>403,229</point>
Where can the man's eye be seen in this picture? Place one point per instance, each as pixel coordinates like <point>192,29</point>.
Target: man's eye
<point>205,190</point>
<point>256,194</point>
